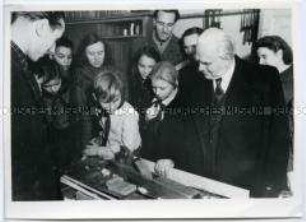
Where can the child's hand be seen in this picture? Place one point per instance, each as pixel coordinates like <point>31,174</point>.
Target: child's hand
<point>163,166</point>
<point>106,153</point>
<point>91,150</point>
<point>95,150</point>
<point>152,112</point>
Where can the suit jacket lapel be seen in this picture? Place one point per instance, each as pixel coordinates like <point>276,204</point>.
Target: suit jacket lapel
<point>236,85</point>
<point>31,81</point>
<point>234,91</point>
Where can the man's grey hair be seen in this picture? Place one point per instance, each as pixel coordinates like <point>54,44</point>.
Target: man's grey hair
<point>222,42</point>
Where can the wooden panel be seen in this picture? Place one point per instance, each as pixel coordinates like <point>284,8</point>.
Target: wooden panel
<point>77,32</point>
<point>121,47</point>
<point>120,52</point>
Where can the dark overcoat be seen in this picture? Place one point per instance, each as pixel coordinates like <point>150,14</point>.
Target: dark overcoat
<point>245,140</point>
<point>33,177</point>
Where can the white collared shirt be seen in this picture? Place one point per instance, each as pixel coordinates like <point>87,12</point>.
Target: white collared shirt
<point>226,78</point>
<point>171,97</point>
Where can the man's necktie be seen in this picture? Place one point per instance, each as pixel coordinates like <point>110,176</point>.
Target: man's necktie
<point>103,135</point>
<point>219,92</point>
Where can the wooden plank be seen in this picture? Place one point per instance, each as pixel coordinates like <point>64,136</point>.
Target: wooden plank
<point>213,186</point>
<point>77,185</point>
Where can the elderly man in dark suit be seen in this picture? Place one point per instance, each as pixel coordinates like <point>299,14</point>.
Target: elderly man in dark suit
<point>242,128</point>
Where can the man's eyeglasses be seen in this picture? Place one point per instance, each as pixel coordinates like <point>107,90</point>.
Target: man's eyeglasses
<point>168,25</point>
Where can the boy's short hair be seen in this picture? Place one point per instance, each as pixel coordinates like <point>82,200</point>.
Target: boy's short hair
<point>46,69</point>
<point>165,71</point>
<point>108,85</point>
<point>64,42</point>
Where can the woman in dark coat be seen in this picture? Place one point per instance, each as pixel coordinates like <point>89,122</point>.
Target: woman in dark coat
<point>169,134</point>
<point>93,58</point>
<point>275,51</point>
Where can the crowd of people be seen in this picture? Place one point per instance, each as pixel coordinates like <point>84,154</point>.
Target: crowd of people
<point>191,103</point>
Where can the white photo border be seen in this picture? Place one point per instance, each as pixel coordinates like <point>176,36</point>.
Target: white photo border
<point>192,209</point>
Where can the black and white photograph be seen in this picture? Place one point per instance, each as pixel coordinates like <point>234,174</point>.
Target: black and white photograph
<point>151,106</point>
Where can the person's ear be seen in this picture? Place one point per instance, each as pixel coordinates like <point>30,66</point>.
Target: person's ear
<point>154,22</point>
<point>176,83</point>
<point>279,54</point>
<point>41,27</point>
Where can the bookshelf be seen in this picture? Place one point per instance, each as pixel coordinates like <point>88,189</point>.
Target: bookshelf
<point>116,24</point>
